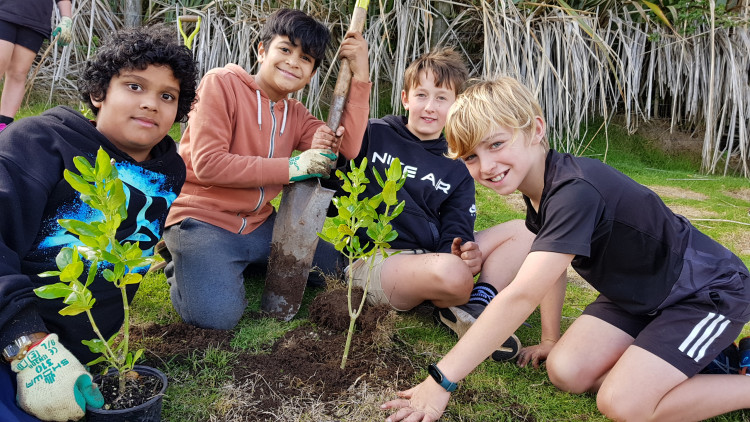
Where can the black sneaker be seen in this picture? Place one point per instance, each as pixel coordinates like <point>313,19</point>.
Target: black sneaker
<point>458,320</point>
<point>727,362</point>
<point>744,351</point>
<point>161,250</point>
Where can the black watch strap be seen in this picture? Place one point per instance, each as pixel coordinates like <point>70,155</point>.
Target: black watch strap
<point>439,378</point>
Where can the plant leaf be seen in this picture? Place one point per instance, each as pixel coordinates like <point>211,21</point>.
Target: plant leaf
<point>53,291</point>
<point>78,183</point>
<point>64,257</point>
<point>132,278</point>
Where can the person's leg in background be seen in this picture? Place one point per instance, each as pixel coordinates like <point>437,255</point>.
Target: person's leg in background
<point>18,48</point>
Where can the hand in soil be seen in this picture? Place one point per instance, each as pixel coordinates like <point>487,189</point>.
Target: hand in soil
<point>425,402</point>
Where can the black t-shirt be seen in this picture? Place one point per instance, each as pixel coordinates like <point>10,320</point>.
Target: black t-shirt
<point>627,243</point>
<point>34,14</point>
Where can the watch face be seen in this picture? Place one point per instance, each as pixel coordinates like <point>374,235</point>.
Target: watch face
<point>435,373</point>
<point>11,350</point>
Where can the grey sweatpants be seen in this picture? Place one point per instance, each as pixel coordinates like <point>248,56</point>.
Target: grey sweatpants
<point>206,271</point>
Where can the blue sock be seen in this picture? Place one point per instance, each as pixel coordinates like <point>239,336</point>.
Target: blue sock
<point>482,294</point>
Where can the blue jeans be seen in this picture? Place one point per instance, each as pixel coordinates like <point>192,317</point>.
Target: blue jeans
<point>9,410</point>
<point>206,271</point>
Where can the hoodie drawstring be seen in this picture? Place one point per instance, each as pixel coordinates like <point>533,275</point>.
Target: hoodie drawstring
<point>257,94</point>
<point>283,121</point>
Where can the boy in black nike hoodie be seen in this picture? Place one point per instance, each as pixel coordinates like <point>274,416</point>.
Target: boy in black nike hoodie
<point>439,255</point>
<point>140,82</point>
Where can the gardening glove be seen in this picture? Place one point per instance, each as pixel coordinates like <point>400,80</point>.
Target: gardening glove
<point>52,383</point>
<point>64,30</point>
<point>311,163</point>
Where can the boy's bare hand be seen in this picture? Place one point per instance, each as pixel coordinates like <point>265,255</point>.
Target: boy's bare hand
<point>535,354</point>
<point>324,138</point>
<point>425,402</point>
<point>469,252</point>
<point>354,49</point>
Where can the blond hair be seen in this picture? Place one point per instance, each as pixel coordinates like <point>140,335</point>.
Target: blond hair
<point>447,66</point>
<point>486,106</point>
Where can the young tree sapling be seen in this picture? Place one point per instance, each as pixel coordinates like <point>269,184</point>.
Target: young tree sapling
<point>101,189</point>
<point>355,214</point>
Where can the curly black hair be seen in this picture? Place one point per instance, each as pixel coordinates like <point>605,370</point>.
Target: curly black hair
<point>299,27</point>
<point>136,49</point>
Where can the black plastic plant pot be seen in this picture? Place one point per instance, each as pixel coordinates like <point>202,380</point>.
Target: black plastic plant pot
<point>150,411</point>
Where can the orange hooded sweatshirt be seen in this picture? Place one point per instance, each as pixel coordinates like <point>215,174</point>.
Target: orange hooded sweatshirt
<point>238,143</point>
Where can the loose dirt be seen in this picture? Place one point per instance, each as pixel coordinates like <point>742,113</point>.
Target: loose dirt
<point>138,390</point>
<point>302,369</point>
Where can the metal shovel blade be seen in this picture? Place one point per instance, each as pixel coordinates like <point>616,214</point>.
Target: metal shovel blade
<point>301,215</point>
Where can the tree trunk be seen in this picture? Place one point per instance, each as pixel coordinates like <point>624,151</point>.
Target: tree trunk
<point>439,24</point>
<point>131,9</point>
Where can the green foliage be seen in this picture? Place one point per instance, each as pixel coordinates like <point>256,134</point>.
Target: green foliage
<point>101,189</point>
<point>685,17</point>
<point>355,214</point>
<point>689,16</point>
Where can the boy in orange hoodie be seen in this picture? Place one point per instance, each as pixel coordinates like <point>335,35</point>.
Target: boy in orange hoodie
<point>237,150</point>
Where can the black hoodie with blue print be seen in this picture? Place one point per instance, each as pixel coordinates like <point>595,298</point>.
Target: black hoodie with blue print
<point>34,151</point>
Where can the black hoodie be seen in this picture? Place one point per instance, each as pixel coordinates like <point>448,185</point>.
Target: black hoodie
<point>439,192</point>
<point>34,151</point>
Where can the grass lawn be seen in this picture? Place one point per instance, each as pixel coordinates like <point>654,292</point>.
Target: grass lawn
<point>494,392</point>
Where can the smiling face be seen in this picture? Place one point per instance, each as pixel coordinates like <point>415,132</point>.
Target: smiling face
<point>506,160</point>
<point>139,109</point>
<point>428,106</point>
<point>284,68</point>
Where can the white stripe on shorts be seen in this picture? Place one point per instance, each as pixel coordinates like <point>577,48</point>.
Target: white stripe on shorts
<point>703,335</point>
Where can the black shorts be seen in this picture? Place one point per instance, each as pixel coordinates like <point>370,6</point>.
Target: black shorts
<point>690,333</point>
<point>21,35</point>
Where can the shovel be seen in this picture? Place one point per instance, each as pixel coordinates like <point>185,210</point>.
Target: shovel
<point>302,213</point>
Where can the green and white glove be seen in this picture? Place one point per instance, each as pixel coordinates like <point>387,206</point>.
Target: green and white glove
<point>64,30</point>
<point>52,383</point>
<point>311,163</point>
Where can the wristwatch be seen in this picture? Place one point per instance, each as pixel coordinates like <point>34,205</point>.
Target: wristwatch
<point>439,378</point>
<point>17,349</point>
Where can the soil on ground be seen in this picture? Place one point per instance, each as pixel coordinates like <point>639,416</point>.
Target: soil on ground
<point>305,362</point>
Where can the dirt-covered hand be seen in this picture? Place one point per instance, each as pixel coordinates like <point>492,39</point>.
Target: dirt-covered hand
<point>64,31</point>
<point>311,163</point>
<point>469,252</point>
<point>535,354</point>
<point>425,402</point>
<point>325,138</point>
<point>52,383</point>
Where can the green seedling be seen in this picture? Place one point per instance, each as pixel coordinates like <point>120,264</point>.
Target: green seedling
<point>101,189</point>
<point>355,214</point>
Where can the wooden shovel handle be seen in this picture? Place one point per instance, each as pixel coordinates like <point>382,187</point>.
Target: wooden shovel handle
<point>341,89</point>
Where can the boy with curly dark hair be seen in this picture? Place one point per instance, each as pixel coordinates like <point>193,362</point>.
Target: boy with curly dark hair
<point>140,82</point>
<point>238,152</point>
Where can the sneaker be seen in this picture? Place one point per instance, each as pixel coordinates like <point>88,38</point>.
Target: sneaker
<point>161,250</point>
<point>744,351</point>
<point>458,320</point>
<point>727,362</point>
